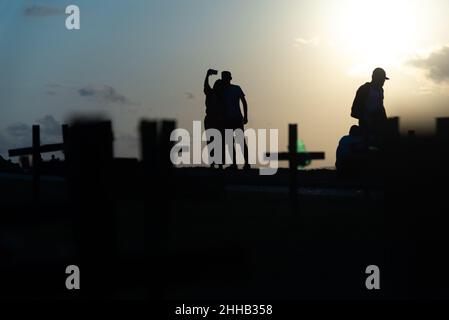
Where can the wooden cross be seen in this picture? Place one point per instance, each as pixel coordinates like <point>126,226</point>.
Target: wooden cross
<point>36,151</point>
<point>295,158</point>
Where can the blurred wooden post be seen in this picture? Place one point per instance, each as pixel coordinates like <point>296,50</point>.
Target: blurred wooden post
<point>36,162</point>
<point>90,178</point>
<point>155,151</point>
<point>148,147</point>
<point>65,147</point>
<point>152,218</point>
<point>393,128</point>
<point>293,165</point>
<point>442,128</point>
<point>65,139</point>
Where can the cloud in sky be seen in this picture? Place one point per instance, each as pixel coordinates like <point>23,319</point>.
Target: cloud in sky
<point>302,42</point>
<point>41,11</point>
<point>436,65</point>
<point>49,126</point>
<point>104,94</point>
<point>189,95</point>
<point>19,134</point>
<point>54,89</point>
<point>53,85</point>
<point>20,131</point>
<point>4,145</point>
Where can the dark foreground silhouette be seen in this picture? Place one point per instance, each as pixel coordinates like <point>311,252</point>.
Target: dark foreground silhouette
<point>146,230</point>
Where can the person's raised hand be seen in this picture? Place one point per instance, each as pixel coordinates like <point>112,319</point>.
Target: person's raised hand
<point>211,72</point>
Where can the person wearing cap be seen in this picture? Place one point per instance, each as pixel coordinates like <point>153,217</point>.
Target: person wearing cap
<point>368,106</point>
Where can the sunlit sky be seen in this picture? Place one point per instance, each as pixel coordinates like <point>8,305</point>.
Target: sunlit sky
<point>297,61</point>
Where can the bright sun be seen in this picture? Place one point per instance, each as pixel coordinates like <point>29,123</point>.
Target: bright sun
<point>375,33</point>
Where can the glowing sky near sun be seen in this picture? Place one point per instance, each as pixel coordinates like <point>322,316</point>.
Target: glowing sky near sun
<point>297,61</point>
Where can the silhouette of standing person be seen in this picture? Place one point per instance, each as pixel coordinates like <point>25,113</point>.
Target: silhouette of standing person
<point>368,106</point>
<point>214,108</point>
<point>233,118</point>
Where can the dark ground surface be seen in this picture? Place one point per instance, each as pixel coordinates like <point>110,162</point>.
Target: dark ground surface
<point>224,235</point>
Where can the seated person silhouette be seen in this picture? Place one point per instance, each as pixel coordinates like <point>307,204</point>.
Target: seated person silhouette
<point>351,152</point>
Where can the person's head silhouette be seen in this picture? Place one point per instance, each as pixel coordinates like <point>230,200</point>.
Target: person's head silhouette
<point>379,76</point>
<point>355,131</point>
<point>226,77</point>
